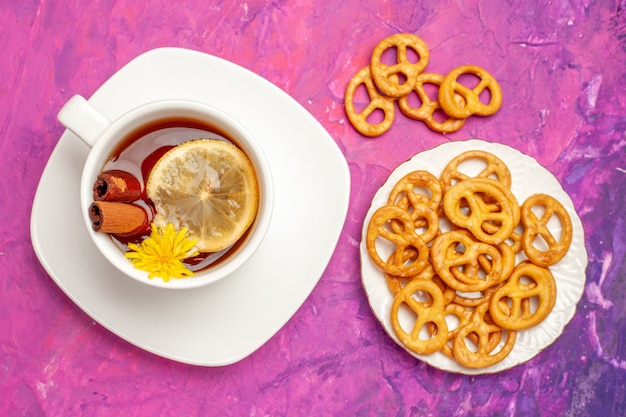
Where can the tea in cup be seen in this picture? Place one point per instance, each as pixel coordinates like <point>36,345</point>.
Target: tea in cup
<point>174,193</point>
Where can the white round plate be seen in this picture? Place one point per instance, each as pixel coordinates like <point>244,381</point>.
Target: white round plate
<point>528,177</point>
<point>226,321</point>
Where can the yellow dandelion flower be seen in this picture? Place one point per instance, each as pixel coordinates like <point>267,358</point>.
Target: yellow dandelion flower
<point>161,254</point>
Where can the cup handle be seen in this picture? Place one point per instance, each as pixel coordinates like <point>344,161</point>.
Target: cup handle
<point>81,118</point>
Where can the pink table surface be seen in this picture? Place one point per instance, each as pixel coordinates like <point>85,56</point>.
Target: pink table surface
<point>562,68</point>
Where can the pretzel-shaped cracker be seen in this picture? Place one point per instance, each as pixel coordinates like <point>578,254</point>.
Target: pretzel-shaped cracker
<point>425,220</point>
<point>396,283</point>
<point>377,102</point>
<point>407,191</point>
<point>445,258</point>
<point>428,107</point>
<point>494,166</point>
<point>484,353</point>
<point>483,264</point>
<point>534,227</point>
<point>430,311</point>
<point>386,76</point>
<point>519,293</point>
<point>475,192</point>
<point>450,87</point>
<point>463,316</point>
<point>408,195</point>
<point>405,238</point>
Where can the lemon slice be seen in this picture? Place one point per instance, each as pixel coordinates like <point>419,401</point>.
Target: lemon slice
<point>208,186</point>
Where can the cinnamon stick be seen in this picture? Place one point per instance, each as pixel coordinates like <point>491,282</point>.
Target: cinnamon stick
<point>116,186</point>
<point>123,219</point>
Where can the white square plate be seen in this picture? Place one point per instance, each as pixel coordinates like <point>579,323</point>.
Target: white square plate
<point>226,321</point>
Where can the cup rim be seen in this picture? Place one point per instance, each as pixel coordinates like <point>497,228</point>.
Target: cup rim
<point>128,122</point>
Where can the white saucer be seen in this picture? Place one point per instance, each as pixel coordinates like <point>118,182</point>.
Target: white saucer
<point>226,321</point>
<point>528,177</point>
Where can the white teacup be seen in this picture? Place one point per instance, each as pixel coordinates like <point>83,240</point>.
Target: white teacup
<point>104,136</point>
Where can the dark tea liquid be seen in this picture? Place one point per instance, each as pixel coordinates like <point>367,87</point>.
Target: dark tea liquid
<point>138,153</point>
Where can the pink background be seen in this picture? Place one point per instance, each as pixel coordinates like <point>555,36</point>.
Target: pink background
<point>562,69</point>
